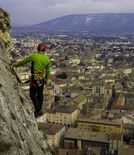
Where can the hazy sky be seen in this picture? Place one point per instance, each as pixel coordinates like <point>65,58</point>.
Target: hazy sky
<point>28,12</point>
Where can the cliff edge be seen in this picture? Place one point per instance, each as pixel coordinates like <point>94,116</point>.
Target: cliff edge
<point>19,134</point>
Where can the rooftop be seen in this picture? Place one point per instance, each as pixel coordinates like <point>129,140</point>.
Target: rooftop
<point>129,151</point>
<point>62,109</point>
<point>71,152</point>
<point>99,121</point>
<point>124,102</point>
<point>79,99</point>
<point>50,129</point>
<point>83,134</point>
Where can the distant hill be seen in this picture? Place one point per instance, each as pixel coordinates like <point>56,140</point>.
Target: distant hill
<point>95,23</point>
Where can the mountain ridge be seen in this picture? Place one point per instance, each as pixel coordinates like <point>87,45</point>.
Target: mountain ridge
<point>94,23</point>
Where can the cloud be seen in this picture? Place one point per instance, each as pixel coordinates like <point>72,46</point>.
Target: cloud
<point>36,11</point>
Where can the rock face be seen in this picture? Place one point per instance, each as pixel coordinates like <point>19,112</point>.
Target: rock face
<point>19,134</point>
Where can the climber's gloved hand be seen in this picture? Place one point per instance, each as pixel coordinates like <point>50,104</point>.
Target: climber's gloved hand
<point>13,63</point>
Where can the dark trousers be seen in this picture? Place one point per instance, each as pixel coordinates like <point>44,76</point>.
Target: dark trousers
<point>36,95</point>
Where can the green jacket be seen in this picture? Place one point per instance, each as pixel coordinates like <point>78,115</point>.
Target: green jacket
<point>40,63</point>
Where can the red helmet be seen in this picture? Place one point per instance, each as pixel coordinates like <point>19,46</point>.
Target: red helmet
<point>41,47</point>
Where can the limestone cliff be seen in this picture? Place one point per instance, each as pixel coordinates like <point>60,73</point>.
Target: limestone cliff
<point>19,134</point>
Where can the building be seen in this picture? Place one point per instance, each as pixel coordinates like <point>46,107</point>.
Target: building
<point>49,100</point>
<point>42,118</point>
<point>80,101</point>
<point>128,119</point>
<point>100,125</point>
<point>83,139</point>
<point>57,90</point>
<point>116,141</point>
<point>71,152</point>
<point>127,151</point>
<point>74,61</point>
<point>128,129</point>
<point>122,103</point>
<point>127,71</point>
<point>53,132</point>
<point>108,92</point>
<point>98,88</point>
<point>91,151</point>
<point>66,115</point>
